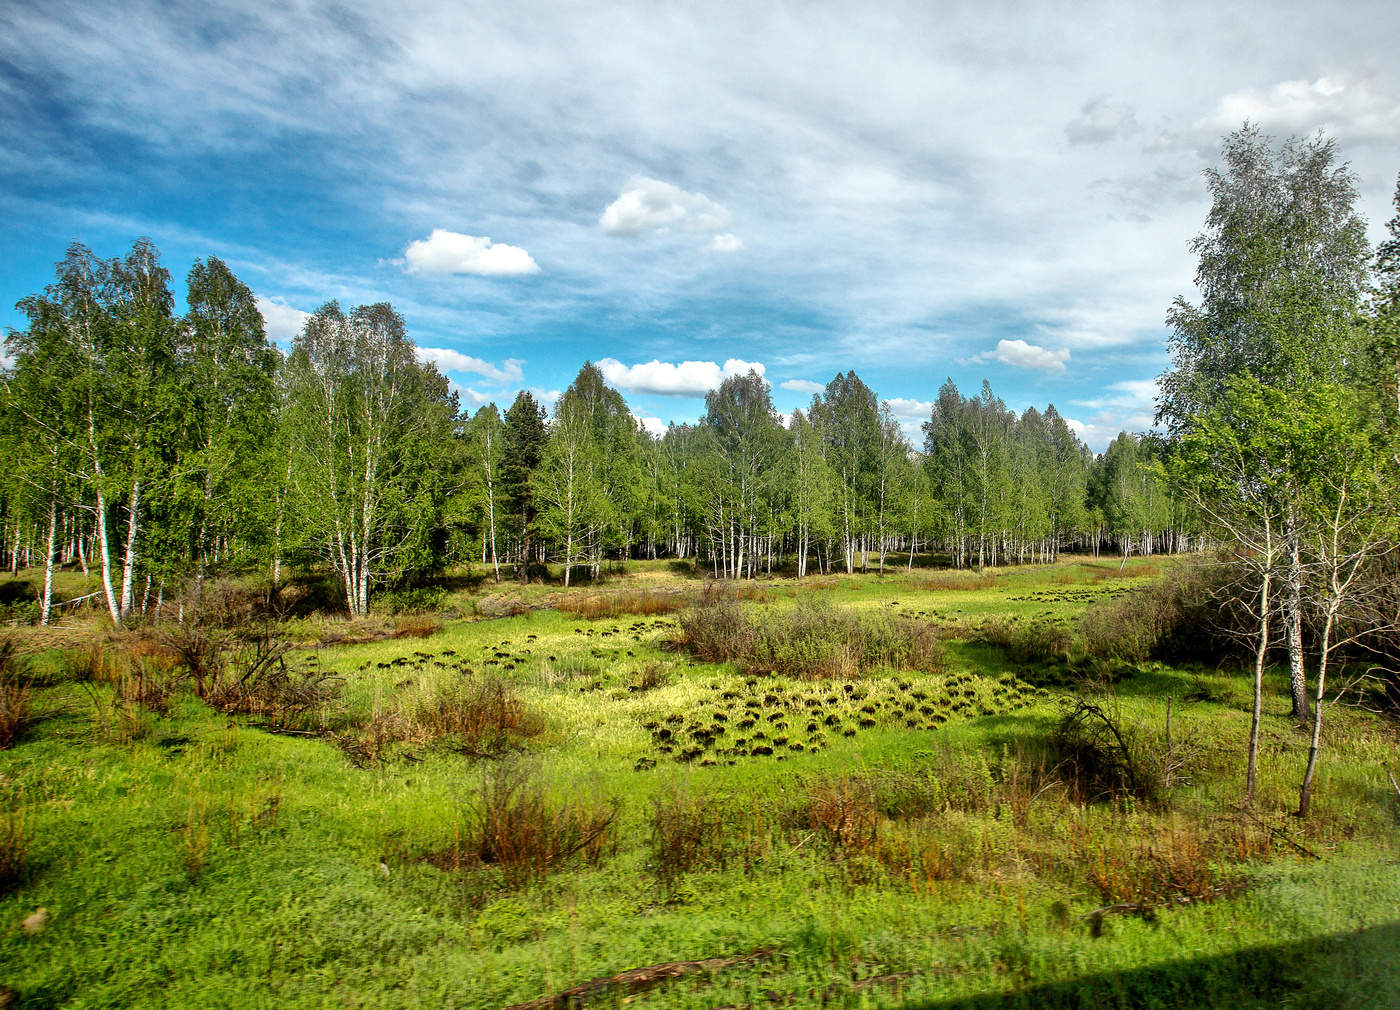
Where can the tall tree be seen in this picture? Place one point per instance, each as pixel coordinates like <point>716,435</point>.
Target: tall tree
<point>1282,265</point>
<point>523,438</point>
<point>369,427</point>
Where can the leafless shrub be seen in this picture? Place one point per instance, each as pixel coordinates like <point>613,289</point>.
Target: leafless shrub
<point>485,715</point>
<point>513,824</point>
<point>689,830</point>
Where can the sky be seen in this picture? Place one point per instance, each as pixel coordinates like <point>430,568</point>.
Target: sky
<point>679,192</point>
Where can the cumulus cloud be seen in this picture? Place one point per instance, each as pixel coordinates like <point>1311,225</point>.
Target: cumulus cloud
<point>905,408</point>
<point>450,252</point>
<point>650,205</point>
<point>725,243</point>
<point>801,386</point>
<point>655,427</point>
<point>1100,121</point>
<point>448,360</point>
<point>664,378</point>
<point>281,321</point>
<point>1020,354</point>
<point>1353,107</point>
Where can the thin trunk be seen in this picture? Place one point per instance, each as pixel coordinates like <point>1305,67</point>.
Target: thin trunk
<point>1264,604</point>
<point>45,602</point>
<point>1293,620</point>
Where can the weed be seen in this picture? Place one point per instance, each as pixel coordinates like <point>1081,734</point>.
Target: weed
<point>955,581</point>
<point>1027,642</point>
<point>194,839</point>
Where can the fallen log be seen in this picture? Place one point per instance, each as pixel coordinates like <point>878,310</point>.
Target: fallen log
<point>638,979</point>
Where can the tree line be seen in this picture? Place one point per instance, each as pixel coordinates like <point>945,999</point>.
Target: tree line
<point>153,448</point>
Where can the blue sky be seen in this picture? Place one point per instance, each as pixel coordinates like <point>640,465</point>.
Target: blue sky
<point>915,191</point>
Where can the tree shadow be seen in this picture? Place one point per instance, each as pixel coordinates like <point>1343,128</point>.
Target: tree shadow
<point>1344,970</point>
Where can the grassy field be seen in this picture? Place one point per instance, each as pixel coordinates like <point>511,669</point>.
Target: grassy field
<point>468,811</point>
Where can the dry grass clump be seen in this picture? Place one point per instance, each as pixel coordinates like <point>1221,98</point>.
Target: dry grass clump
<point>417,626</point>
<point>1162,863</point>
<point>642,602</point>
<point>813,639</point>
<point>251,675</point>
<point>16,695</point>
<point>485,716</point>
<point>512,823</point>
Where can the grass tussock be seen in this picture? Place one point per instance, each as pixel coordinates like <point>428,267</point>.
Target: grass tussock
<point>643,603</point>
<point>513,824</point>
<point>813,639</point>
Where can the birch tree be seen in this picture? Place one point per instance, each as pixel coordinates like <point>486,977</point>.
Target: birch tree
<point>369,428</point>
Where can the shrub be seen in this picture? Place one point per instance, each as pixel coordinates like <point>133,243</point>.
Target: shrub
<point>410,600</point>
<point>844,812</point>
<point>1101,756</point>
<point>251,676</point>
<point>512,824</point>
<point>716,629</point>
<point>16,695</point>
<point>1190,612</point>
<point>689,830</point>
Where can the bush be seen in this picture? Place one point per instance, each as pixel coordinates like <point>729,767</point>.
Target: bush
<point>417,626</point>
<point>410,600</point>
<point>512,824</point>
<point>1027,642</point>
<point>1191,612</point>
<point>689,831</point>
<point>1101,756</point>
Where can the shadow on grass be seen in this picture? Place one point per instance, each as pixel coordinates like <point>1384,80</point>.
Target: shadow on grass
<point>1345,970</point>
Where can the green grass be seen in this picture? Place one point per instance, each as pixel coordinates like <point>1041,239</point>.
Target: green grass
<point>192,858</point>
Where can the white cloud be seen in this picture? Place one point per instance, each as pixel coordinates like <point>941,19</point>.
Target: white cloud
<point>1023,355</point>
<point>450,252</point>
<point>650,205</point>
<point>448,360</point>
<point>546,398</point>
<point>725,243</point>
<point>1354,108</point>
<point>1100,121</point>
<point>281,321</point>
<point>471,398</point>
<point>1126,405</point>
<point>655,427</point>
<point>689,378</point>
<point>905,408</point>
<point>801,386</point>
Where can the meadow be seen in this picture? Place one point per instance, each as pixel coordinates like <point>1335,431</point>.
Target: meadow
<point>920,789</point>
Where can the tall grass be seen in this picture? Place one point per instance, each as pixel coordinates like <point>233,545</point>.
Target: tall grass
<point>644,603</point>
<point>16,695</point>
